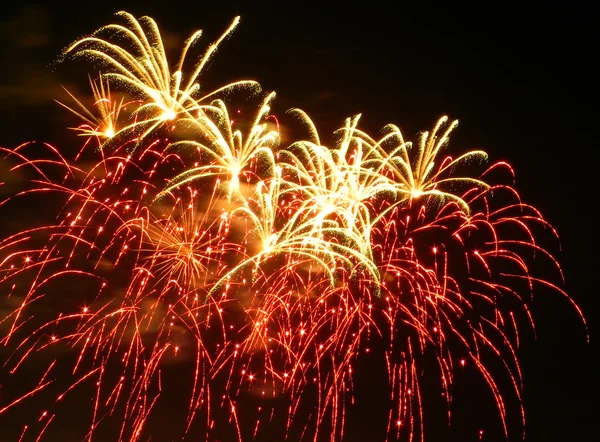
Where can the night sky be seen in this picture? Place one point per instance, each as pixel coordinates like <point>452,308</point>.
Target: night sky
<point>522,82</point>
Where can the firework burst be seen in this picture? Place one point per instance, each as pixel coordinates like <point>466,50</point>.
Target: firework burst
<point>140,64</point>
<point>259,270</point>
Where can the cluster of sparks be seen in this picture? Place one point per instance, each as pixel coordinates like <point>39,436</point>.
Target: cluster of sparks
<point>272,269</point>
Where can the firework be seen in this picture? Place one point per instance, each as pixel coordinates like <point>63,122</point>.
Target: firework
<point>140,64</point>
<point>105,124</point>
<point>229,152</point>
<point>258,270</point>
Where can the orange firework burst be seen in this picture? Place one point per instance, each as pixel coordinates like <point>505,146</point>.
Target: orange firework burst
<point>193,240</point>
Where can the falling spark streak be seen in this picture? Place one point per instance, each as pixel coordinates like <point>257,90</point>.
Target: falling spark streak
<point>30,393</point>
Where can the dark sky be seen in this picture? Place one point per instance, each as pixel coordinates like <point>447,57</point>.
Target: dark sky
<point>521,79</point>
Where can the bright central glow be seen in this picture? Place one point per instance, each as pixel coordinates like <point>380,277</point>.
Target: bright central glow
<point>169,115</point>
<point>234,182</point>
<point>416,193</point>
<point>269,243</point>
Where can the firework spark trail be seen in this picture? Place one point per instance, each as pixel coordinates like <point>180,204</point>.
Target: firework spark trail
<point>271,270</point>
<point>229,152</point>
<point>142,66</point>
<point>105,125</point>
